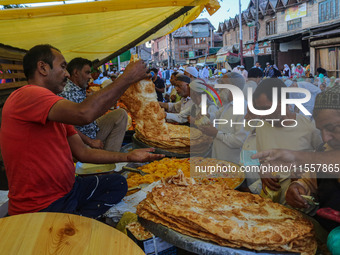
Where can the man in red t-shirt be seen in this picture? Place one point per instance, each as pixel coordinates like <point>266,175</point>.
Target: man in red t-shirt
<point>39,140</point>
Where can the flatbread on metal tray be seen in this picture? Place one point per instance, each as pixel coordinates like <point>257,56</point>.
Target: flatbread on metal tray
<point>182,139</point>
<point>229,218</point>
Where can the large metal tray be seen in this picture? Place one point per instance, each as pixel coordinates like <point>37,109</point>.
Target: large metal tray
<point>196,245</point>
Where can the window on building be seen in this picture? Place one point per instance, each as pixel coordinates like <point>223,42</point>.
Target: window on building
<point>186,41</point>
<point>271,27</point>
<point>328,10</point>
<point>294,24</point>
<point>186,54</point>
<point>251,33</point>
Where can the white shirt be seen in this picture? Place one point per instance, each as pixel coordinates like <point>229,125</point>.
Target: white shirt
<point>249,84</point>
<point>180,105</point>
<point>229,139</point>
<point>303,137</point>
<point>244,73</point>
<point>205,73</point>
<point>174,109</point>
<point>314,90</point>
<point>193,110</point>
<point>236,70</point>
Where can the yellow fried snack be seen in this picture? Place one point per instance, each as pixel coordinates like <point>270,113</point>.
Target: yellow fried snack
<point>159,169</point>
<point>169,167</point>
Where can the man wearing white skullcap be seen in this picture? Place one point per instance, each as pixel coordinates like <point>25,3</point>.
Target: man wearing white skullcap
<point>192,113</point>
<point>244,72</point>
<point>191,72</point>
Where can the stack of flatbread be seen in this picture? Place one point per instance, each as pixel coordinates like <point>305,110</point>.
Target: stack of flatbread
<point>141,100</point>
<point>181,139</point>
<point>228,218</point>
<point>151,127</point>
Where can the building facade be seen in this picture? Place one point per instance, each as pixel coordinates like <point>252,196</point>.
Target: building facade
<point>187,45</point>
<point>291,31</point>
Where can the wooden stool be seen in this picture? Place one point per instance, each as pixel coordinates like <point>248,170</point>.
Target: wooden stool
<point>60,233</point>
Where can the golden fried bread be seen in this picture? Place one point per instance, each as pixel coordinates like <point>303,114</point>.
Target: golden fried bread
<point>151,128</point>
<point>229,217</point>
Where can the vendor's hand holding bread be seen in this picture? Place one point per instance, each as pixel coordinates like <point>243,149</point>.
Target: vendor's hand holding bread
<point>136,71</point>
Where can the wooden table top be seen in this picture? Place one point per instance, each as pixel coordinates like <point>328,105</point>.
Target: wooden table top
<point>59,234</point>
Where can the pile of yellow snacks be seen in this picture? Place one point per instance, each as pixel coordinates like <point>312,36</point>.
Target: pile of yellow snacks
<point>169,167</point>
<point>159,169</point>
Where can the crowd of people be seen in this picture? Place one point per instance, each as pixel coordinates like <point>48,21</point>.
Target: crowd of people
<point>315,131</point>
<point>54,120</point>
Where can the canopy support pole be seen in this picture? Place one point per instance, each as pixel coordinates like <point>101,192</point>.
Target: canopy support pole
<point>146,35</point>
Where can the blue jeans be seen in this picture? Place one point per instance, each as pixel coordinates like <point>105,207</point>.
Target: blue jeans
<point>91,196</point>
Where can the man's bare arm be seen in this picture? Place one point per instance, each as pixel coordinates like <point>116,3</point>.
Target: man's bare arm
<point>165,106</point>
<point>88,155</point>
<point>93,143</point>
<point>96,105</point>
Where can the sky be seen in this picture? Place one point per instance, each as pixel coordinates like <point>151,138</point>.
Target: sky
<point>229,9</point>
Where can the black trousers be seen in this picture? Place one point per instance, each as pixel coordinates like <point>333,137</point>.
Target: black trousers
<point>91,196</point>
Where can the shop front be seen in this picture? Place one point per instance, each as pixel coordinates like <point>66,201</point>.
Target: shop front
<point>325,53</point>
<point>223,55</point>
<point>264,54</point>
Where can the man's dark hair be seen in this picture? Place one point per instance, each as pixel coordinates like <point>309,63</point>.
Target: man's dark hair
<point>183,78</point>
<point>255,73</point>
<point>77,64</point>
<point>42,52</point>
<point>174,73</point>
<point>266,87</point>
<point>155,70</point>
<point>321,70</point>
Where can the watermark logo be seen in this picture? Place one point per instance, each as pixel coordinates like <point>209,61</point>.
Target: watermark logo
<point>212,97</point>
<point>239,104</point>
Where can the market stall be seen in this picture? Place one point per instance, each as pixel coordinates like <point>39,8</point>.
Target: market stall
<point>204,214</point>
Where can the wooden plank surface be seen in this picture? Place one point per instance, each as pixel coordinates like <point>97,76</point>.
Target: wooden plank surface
<point>59,233</point>
<point>12,85</point>
<point>11,67</point>
<point>12,75</point>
